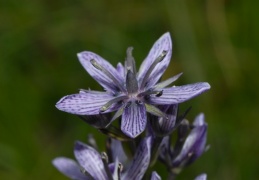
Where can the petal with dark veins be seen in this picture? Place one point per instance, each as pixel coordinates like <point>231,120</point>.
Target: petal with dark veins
<point>179,94</point>
<point>85,103</point>
<point>90,160</point>
<point>164,43</point>
<point>140,161</point>
<point>134,119</point>
<point>101,77</point>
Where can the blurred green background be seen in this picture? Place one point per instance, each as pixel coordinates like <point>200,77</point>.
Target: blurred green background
<point>214,40</point>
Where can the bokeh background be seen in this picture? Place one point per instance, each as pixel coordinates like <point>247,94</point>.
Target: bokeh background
<point>214,40</point>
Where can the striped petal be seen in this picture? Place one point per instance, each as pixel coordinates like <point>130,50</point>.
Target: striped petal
<point>69,168</point>
<point>164,43</point>
<point>84,103</point>
<point>134,119</point>
<point>101,77</point>
<point>179,94</point>
<point>140,161</point>
<point>90,160</point>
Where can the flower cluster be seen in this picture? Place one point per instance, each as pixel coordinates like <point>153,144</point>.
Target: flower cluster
<point>140,102</point>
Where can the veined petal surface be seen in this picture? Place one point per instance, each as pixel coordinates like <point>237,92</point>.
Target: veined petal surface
<point>164,43</point>
<point>90,160</point>
<point>140,161</point>
<point>84,103</point>
<point>134,119</point>
<point>102,78</point>
<point>179,94</point>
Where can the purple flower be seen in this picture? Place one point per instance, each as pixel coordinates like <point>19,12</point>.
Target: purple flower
<point>128,92</point>
<point>92,165</point>
<point>194,144</point>
<point>188,147</point>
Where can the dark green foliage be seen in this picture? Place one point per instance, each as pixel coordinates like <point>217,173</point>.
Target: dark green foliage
<point>214,41</point>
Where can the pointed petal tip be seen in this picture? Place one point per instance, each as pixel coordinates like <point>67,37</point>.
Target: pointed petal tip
<point>166,34</point>
<point>130,134</point>
<point>206,85</point>
<point>80,54</point>
<point>200,120</point>
<point>59,162</point>
<point>155,176</point>
<point>59,103</point>
<point>56,161</point>
<point>79,146</point>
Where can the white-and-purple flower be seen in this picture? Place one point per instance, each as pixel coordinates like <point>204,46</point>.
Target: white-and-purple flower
<point>130,93</point>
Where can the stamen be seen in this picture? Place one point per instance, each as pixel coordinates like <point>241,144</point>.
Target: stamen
<point>151,68</point>
<point>107,73</point>
<point>109,103</point>
<point>106,167</point>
